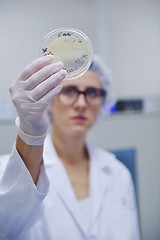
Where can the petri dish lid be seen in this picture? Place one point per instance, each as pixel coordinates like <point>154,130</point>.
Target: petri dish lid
<point>70,46</point>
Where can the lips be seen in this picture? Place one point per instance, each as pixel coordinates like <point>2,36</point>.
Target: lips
<point>79,119</point>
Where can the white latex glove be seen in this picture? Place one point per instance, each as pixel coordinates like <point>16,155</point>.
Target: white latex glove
<point>33,91</point>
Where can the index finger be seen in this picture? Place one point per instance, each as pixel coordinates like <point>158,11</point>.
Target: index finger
<point>35,66</point>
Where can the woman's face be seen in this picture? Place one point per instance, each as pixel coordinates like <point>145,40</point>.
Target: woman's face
<point>77,118</point>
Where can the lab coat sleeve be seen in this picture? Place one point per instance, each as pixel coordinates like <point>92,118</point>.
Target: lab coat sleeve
<point>131,204</point>
<point>20,199</point>
<point>127,215</point>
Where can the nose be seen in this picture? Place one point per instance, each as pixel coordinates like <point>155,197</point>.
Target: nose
<point>81,101</point>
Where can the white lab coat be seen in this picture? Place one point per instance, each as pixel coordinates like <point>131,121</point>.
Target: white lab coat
<point>29,212</point>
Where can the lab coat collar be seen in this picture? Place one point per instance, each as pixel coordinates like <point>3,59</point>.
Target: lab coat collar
<point>103,164</point>
<point>100,172</point>
<point>61,183</point>
<point>100,179</point>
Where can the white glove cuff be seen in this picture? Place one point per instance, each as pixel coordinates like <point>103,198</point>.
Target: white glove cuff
<point>30,140</point>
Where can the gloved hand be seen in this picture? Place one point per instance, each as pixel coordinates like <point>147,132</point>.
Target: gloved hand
<point>34,90</point>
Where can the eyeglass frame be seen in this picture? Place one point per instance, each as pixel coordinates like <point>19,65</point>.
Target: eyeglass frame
<point>101,95</point>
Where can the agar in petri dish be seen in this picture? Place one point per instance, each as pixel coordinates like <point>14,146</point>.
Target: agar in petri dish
<point>70,46</point>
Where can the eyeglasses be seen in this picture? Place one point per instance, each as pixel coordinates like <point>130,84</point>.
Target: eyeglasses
<point>93,96</point>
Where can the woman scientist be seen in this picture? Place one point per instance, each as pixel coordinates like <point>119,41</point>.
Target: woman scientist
<point>57,187</point>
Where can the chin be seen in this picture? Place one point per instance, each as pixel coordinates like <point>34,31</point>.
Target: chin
<point>78,131</point>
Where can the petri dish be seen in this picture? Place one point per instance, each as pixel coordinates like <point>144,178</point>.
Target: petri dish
<point>70,46</point>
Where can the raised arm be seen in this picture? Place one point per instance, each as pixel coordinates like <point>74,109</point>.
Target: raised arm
<point>31,93</point>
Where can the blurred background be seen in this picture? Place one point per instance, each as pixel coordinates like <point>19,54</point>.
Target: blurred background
<point>126,34</point>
